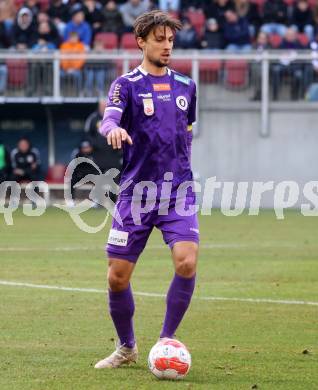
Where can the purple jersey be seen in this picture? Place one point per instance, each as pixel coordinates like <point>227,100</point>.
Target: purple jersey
<point>157,112</point>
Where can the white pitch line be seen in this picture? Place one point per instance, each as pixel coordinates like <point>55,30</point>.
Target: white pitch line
<point>145,294</point>
<point>154,246</point>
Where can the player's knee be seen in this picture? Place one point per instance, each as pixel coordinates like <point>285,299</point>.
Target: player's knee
<point>186,265</point>
<point>117,281</point>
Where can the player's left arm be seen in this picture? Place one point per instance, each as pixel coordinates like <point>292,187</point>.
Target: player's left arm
<point>191,116</point>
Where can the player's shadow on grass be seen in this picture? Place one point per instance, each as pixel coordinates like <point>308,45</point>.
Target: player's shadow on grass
<point>188,379</point>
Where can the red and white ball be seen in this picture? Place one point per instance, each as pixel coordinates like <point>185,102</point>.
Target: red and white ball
<point>169,359</point>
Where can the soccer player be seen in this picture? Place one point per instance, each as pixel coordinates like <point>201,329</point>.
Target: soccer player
<point>150,112</point>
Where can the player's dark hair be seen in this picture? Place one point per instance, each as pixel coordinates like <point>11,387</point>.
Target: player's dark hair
<point>148,21</point>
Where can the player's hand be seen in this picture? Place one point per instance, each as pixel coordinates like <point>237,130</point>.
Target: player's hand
<point>117,136</point>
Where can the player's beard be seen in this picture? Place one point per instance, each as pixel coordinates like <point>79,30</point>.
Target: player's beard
<point>158,63</point>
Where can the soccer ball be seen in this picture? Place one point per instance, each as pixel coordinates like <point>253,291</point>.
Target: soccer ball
<point>169,359</point>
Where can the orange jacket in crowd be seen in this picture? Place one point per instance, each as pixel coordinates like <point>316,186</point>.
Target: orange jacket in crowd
<point>72,47</point>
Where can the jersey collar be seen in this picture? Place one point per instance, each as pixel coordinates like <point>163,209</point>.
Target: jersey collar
<point>144,72</point>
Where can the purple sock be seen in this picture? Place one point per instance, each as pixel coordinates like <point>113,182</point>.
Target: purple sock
<point>121,308</point>
<point>178,300</point>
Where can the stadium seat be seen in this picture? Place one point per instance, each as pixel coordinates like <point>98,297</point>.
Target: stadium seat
<point>128,42</point>
<point>303,39</point>
<point>17,73</point>
<point>18,4</point>
<point>110,40</point>
<point>197,19</point>
<point>182,66</point>
<point>275,40</point>
<point>55,174</point>
<point>236,74</point>
<point>210,70</point>
<point>289,3</point>
<point>44,5</point>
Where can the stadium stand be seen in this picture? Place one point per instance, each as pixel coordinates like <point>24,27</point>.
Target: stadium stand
<point>109,39</point>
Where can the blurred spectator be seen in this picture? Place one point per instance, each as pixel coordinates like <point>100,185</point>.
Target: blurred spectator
<point>311,72</point>
<point>186,38</point>
<point>25,161</point>
<point>302,18</point>
<point>248,10</point>
<point>33,6</point>
<point>95,73</point>
<point>130,12</point>
<point>58,12</point>
<point>113,21</point>
<point>191,4</point>
<point>236,33</point>
<point>212,37</point>
<point>169,5</point>
<point>47,30</point>
<point>315,19</point>
<point>3,66</point>
<point>4,40</point>
<point>289,67</point>
<point>45,40</point>
<point>7,16</point>
<point>78,25</point>
<point>93,15</point>
<point>275,17</point>
<point>105,156</point>
<point>5,163</point>
<point>216,9</point>
<point>85,150</point>
<point>260,45</point>
<point>24,29</point>
<point>72,68</point>
<point>39,75</point>
<point>261,42</point>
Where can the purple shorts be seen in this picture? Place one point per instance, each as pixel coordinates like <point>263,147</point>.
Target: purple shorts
<point>127,240</point>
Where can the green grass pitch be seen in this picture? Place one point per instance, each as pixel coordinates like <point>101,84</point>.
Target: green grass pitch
<point>50,339</point>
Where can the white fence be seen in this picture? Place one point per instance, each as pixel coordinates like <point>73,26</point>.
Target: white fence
<point>258,80</point>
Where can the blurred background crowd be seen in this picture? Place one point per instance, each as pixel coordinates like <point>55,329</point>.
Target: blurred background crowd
<point>233,25</point>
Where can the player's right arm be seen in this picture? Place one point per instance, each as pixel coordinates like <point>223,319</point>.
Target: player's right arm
<point>116,104</point>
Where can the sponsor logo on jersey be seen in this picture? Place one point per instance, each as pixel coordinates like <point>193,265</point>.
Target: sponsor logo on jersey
<point>148,107</point>
<point>115,98</point>
<point>182,79</point>
<point>182,103</point>
<point>165,98</point>
<point>133,79</point>
<point>161,87</point>
<point>117,237</point>
<point>145,95</point>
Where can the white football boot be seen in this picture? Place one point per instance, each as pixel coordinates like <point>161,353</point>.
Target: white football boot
<point>122,355</point>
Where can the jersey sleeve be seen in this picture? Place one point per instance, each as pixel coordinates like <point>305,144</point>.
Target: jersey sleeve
<point>117,103</point>
<point>118,95</point>
<point>192,106</point>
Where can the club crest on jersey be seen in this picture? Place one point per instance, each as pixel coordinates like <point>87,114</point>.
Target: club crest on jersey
<point>149,108</point>
<point>182,103</point>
